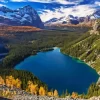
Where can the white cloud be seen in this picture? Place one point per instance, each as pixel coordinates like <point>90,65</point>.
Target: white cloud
<point>18,0</point>
<point>80,10</point>
<point>2,5</point>
<point>46,1</point>
<point>97,3</point>
<point>3,0</point>
<point>53,1</point>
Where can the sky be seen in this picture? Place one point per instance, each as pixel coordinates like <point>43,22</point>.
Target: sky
<point>48,9</point>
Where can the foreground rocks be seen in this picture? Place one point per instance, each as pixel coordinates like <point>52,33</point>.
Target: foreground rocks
<point>19,97</point>
<point>34,97</point>
<point>95,98</point>
<point>23,95</point>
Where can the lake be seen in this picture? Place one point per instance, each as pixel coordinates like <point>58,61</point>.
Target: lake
<point>60,71</point>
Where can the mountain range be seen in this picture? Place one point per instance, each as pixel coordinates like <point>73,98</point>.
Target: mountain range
<point>70,19</point>
<point>25,16</point>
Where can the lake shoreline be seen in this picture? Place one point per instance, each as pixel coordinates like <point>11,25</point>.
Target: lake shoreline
<point>84,63</point>
<point>53,48</point>
<point>34,52</point>
<point>57,52</point>
<point>50,49</point>
<point>80,60</point>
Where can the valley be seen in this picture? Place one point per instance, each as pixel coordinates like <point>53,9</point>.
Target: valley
<point>26,43</point>
<point>60,71</point>
<point>48,59</point>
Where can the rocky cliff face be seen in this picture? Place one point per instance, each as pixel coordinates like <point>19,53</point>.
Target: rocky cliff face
<point>96,28</point>
<point>25,16</point>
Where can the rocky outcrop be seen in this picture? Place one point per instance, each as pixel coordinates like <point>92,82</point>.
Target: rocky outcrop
<point>96,28</point>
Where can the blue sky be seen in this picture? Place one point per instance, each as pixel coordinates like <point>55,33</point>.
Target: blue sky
<point>48,9</point>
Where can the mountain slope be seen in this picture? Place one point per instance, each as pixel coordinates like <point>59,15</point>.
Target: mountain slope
<point>87,48</point>
<point>25,16</point>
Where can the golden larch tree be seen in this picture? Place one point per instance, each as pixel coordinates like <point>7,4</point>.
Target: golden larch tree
<point>42,91</point>
<point>74,95</point>
<point>2,81</point>
<point>32,88</point>
<point>50,94</point>
<point>56,93</point>
<point>18,83</point>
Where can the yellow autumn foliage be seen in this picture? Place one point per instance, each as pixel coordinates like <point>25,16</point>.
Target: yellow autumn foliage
<point>42,91</point>
<point>18,83</point>
<point>2,81</point>
<point>11,82</point>
<point>50,94</point>
<point>56,93</point>
<point>7,93</point>
<point>74,95</point>
<point>32,88</point>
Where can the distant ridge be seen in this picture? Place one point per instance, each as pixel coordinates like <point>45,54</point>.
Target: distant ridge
<point>74,20</point>
<point>19,28</point>
<point>4,30</point>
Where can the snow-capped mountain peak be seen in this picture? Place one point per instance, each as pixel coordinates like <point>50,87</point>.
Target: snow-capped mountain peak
<point>70,19</point>
<point>27,10</point>
<point>5,9</point>
<point>97,13</point>
<point>26,16</point>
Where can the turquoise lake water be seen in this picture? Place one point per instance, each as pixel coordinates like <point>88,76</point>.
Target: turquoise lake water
<point>60,71</point>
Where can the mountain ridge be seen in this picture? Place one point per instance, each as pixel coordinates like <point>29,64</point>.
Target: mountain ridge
<point>74,20</point>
